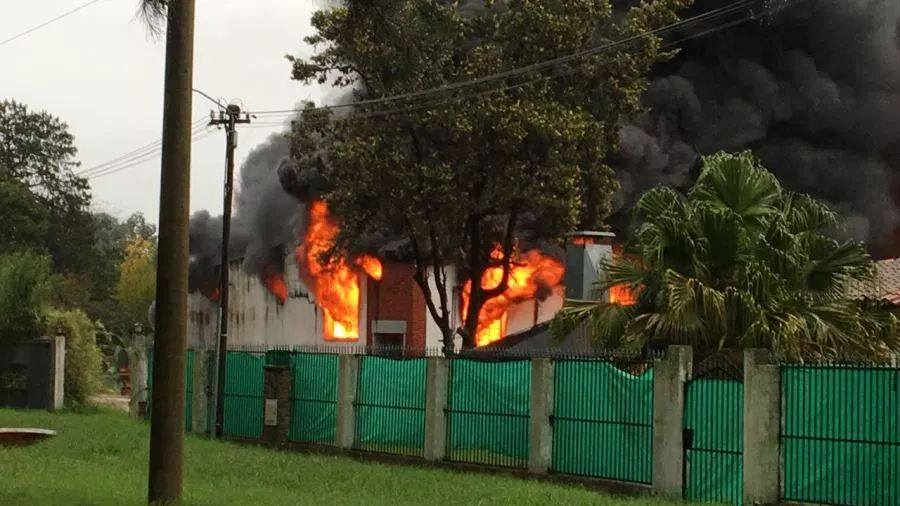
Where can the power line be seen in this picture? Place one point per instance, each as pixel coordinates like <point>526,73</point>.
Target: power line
<point>116,165</point>
<point>720,12</point>
<point>570,71</point>
<point>48,22</point>
<point>152,156</point>
<point>148,149</point>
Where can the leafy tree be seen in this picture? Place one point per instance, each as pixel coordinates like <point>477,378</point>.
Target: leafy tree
<point>38,152</point>
<point>739,262</point>
<point>522,159</point>
<point>24,280</point>
<point>25,220</point>
<point>136,289</point>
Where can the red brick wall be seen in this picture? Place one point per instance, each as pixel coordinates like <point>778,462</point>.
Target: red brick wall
<point>398,297</point>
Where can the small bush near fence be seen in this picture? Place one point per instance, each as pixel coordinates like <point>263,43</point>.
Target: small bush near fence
<point>84,361</point>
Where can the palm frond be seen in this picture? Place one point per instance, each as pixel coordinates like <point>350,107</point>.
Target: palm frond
<point>153,13</point>
<point>737,182</point>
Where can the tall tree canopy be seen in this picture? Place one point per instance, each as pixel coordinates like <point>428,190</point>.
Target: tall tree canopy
<point>506,162</point>
<point>739,262</point>
<point>37,155</point>
<point>136,288</point>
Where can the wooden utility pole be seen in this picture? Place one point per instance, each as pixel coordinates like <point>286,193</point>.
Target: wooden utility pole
<point>167,418</point>
<point>229,118</point>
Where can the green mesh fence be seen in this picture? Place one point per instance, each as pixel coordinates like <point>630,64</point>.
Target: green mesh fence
<point>603,420</point>
<point>714,424</point>
<point>488,413</point>
<point>313,397</point>
<point>243,396</point>
<point>841,434</point>
<point>390,405</point>
<point>188,386</point>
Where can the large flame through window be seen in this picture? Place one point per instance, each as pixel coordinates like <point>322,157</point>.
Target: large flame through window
<point>335,284</point>
<point>533,275</point>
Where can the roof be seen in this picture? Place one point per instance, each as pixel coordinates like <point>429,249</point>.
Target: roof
<point>540,338</point>
<point>885,286</point>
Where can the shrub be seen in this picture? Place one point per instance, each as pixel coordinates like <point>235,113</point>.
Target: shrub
<point>24,280</point>
<point>84,362</point>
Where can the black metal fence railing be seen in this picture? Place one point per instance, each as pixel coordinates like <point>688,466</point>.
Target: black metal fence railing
<point>489,413</point>
<point>603,418</point>
<point>390,405</point>
<point>840,434</point>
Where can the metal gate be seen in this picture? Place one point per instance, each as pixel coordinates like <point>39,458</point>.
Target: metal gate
<point>713,432</point>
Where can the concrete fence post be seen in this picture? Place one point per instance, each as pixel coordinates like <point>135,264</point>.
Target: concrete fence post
<point>437,384</point>
<point>540,450</point>
<point>348,374</point>
<point>762,424</point>
<point>669,378</point>
<point>201,390</point>
<point>277,410</point>
<point>58,372</point>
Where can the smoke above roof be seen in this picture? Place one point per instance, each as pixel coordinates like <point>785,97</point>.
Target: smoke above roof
<point>266,218</point>
<point>814,91</point>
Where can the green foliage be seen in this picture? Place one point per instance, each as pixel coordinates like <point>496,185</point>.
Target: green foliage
<point>84,362</point>
<point>24,280</point>
<point>739,262</point>
<point>521,159</point>
<point>136,289</point>
<point>25,220</point>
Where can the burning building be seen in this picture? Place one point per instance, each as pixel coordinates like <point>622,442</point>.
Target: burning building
<point>314,300</point>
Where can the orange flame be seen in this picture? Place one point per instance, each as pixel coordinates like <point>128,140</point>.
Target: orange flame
<point>275,283</point>
<point>621,295</point>
<point>531,272</point>
<point>335,284</point>
<point>371,266</point>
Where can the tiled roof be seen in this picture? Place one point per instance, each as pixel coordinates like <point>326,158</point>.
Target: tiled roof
<point>885,286</point>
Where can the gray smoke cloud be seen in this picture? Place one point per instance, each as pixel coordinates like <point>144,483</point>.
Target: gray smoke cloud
<point>813,90</point>
<point>266,219</point>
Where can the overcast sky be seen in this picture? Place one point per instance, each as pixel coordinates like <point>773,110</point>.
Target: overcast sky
<point>99,71</point>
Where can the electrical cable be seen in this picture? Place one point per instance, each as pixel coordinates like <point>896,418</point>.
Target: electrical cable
<point>720,12</point>
<point>196,138</point>
<point>125,162</point>
<point>153,147</point>
<point>48,22</point>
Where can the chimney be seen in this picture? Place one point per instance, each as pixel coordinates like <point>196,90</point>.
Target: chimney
<point>585,253</point>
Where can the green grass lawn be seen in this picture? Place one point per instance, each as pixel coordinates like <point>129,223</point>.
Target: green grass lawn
<point>101,458</point>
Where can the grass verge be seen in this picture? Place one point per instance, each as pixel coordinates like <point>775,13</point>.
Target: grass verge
<point>101,458</point>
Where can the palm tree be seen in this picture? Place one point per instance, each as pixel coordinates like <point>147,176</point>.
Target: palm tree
<point>166,425</point>
<point>738,262</point>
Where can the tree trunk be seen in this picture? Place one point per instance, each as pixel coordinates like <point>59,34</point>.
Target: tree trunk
<point>167,418</point>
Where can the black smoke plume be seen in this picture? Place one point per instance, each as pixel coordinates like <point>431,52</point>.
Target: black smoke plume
<point>813,89</point>
<point>266,219</point>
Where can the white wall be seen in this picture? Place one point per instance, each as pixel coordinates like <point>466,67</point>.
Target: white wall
<point>256,318</point>
<point>520,316</point>
<point>433,337</point>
